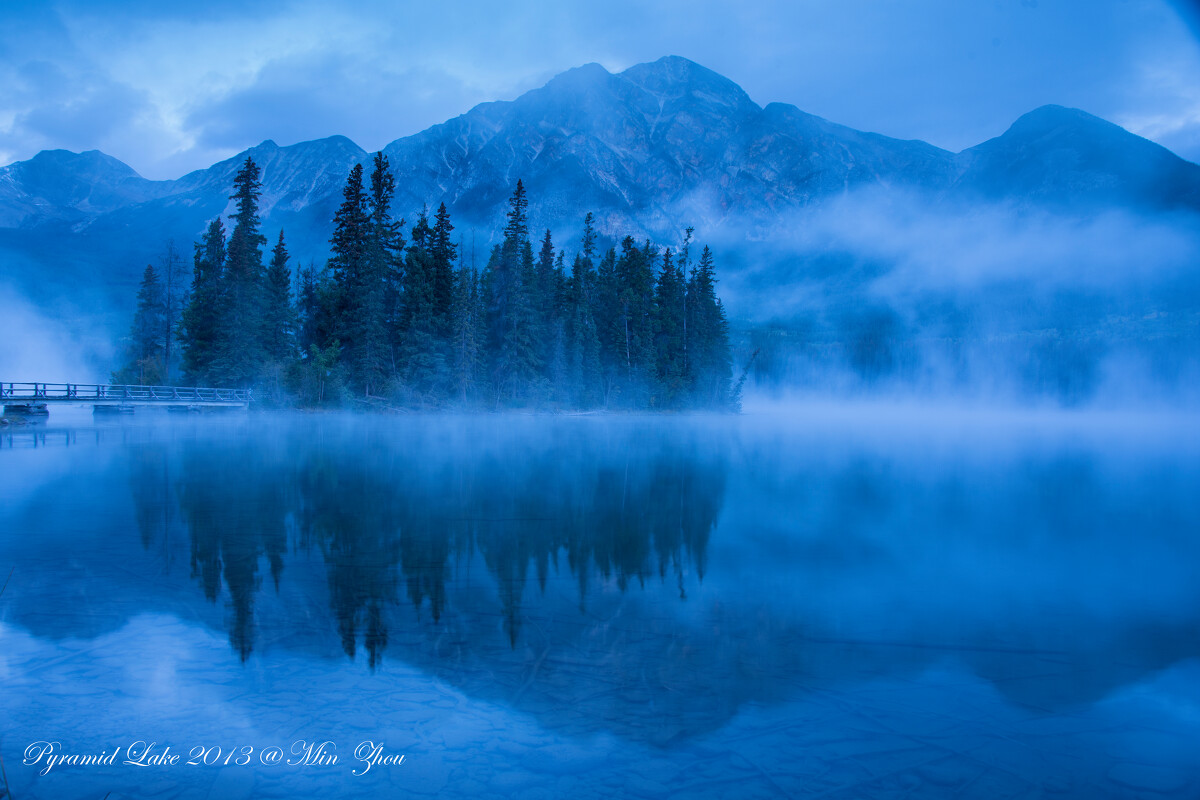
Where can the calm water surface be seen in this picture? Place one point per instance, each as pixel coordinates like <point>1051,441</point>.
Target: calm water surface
<point>819,603</point>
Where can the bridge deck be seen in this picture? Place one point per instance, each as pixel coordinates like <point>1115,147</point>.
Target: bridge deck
<point>99,394</point>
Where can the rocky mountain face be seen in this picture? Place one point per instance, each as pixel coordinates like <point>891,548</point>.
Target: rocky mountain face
<point>649,150</point>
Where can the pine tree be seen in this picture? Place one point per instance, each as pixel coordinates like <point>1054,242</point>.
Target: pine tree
<point>550,317</point>
<point>239,351</point>
<point>442,253</point>
<point>422,363</point>
<point>307,311</point>
<point>582,343</point>
<point>279,318</point>
<point>708,339</point>
<point>357,297</point>
<point>467,329</point>
<point>145,354</point>
<point>684,264</point>
<point>669,319</point>
<point>510,313</point>
<point>382,279</point>
<point>199,324</point>
<point>609,333</point>
<point>175,298</point>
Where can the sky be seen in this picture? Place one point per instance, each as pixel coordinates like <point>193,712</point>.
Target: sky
<point>170,89</point>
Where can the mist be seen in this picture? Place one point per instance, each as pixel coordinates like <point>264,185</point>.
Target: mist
<point>886,292</point>
<point>57,342</point>
<point>623,591</point>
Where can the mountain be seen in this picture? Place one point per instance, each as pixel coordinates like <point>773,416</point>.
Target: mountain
<point>1068,158</point>
<point>649,150</point>
<point>60,186</point>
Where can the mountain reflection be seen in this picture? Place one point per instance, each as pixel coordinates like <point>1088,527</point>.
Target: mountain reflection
<point>394,520</point>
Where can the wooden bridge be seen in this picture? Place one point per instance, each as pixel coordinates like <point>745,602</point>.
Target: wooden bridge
<point>32,398</point>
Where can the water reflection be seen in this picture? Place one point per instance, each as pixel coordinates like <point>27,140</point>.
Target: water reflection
<point>648,579</point>
<point>398,519</point>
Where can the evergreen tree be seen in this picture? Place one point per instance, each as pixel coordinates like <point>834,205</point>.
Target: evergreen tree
<point>467,330</point>
<point>175,297</point>
<point>279,318</point>
<point>144,362</point>
<point>361,255</point>
<point>612,328</point>
<point>550,318</point>
<point>199,325</point>
<point>442,252</point>
<point>669,319</point>
<point>684,264</point>
<point>423,363</point>
<point>582,343</point>
<point>612,332</point>
<point>708,339</point>
<point>382,279</point>
<point>239,352</point>
<point>510,313</point>
<point>307,311</point>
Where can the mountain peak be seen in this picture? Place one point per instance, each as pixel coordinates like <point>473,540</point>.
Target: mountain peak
<point>675,75</point>
<point>583,74</point>
<point>1055,119</point>
<point>1070,158</point>
<point>91,161</point>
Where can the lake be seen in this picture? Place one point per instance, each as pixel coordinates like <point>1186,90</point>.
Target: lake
<point>813,601</point>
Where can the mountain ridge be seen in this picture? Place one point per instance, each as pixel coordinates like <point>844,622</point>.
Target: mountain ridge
<point>649,149</point>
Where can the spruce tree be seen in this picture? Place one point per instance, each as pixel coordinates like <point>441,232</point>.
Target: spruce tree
<point>582,343</point>
<point>382,278</point>
<point>510,320</point>
<point>239,351</point>
<point>708,339</point>
<point>669,324</point>
<point>422,363</point>
<point>442,252</point>
<point>307,311</point>
<point>550,317</point>
<point>175,298</point>
<point>355,299</point>
<point>279,318</point>
<point>199,325</point>
<point>145,355</point>
<point>466,335</point>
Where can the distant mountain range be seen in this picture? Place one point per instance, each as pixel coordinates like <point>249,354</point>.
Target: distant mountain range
<point>649,150</point>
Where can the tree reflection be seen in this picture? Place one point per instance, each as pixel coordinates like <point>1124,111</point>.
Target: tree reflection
<point>234,503</point>
<point>393,520</point>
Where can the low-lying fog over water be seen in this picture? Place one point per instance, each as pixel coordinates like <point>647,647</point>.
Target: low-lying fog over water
<point>835,601</point>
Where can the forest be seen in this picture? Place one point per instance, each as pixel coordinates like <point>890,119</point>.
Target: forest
<point>398,319</point>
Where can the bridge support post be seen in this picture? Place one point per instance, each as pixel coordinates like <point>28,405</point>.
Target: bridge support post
<point>111,410</point>
<point>27,411</point>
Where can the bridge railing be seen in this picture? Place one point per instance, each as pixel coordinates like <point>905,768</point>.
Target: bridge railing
<point>83,392</point>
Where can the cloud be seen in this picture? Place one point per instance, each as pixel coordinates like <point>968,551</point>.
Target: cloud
<point>77,112</point>
<point>312,96</point>
<point>171,87</point>
<point>910,252</point>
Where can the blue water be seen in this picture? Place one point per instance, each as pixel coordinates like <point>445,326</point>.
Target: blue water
<point>810,602</point>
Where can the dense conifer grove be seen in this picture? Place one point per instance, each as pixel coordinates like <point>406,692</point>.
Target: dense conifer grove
<point>398,318</point>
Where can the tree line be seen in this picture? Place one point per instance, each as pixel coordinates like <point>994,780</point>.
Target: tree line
<point>399,317</point>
